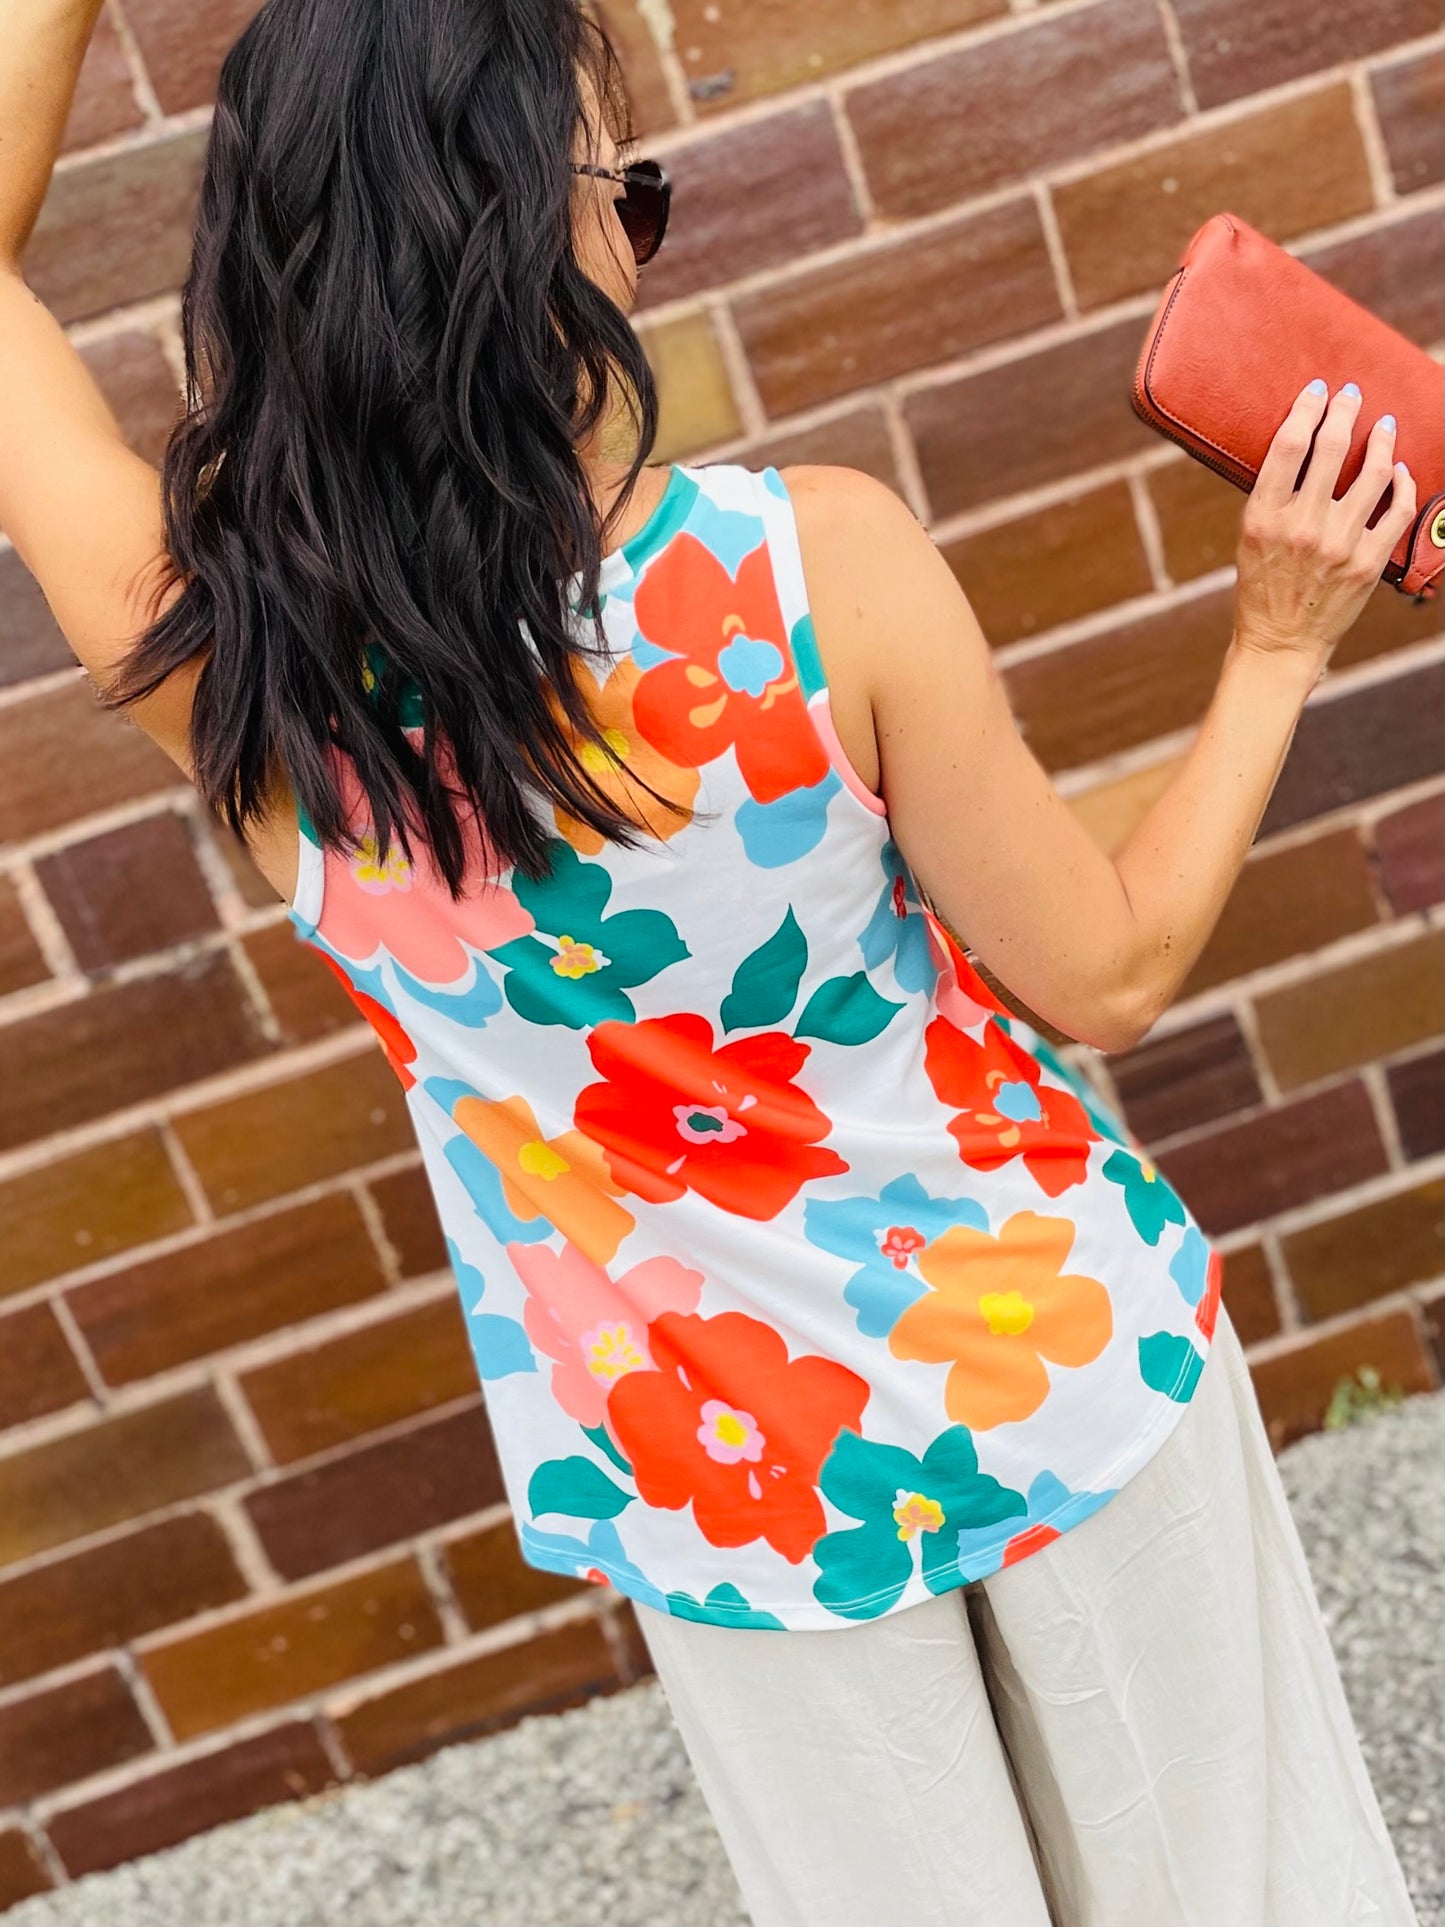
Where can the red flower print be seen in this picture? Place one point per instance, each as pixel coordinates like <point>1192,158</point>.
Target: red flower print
<point>400,1051</point>
<point>1207,1310</point>
<point>898,1244</point>
<point>732,1426</point>
<point>730,682</point>
<point>1004,1109</point>
<point>675,1115</point>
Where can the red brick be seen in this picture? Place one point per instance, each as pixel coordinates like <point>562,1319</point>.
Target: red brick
<point>183,47</point>
<point>1249,1294</point>
<point>1410,100</point>
<point>545,1674</point>
<point>1286,902</point>
<point>493,1582</point>
<point>1035,419</point>
<point>307,1000</point>
<point>898,306</point>
<point>383,1373</point>
<point>378,1494</point>
<point>1395,270</point>
<point>1243,46</point>
<point>125,1044</point>
<point>276,1139</point>
<point>1295,1387</point>
<point>273,1654</point>
<point>963,124</point>
<point>287,1763</point>
<point>236,1285</point>
<point>1187,1078</point>
<point>1360,744</point>
<point>857,439</point>
<point>1277,1160</point>
<point>409,1217</point>
<point>22,1871</point>
<point>1347,1260</point>
<point>22,962</point>
<point>105,104</point>
<point>115,1470</point>
<point>1388,621</point>
<point>140,385</point>
<point>758,196</point>
<point>1417,1091</point>
<point>62,756</point>
<point>636,1660</point>
<point>81,1208</point>
<point>113,1593</point>
<point>1125,227</point>
<point>1053,565</point>
<point>67,1733</point>
<point>648,96</point>
<point>38,1370</point>
<point>734,50</point>
<point>1374,1007</point>
<point>1410,845</point>
<point>117,230</point>
<point>129,892</point>
<point>30,643</point>
<point>1125,686</point>
<point>1432,1312</point>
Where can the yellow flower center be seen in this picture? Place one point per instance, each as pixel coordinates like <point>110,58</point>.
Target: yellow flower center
<point>599,761</point>
<point>1006,1313</point>
<point>614,1352</point>
<point>576,960</point>
<point>539,1160</point>
<point>728,1429</point>
<point>1150,1172</point>
<point>367,866</point>
<point>914,1514</point>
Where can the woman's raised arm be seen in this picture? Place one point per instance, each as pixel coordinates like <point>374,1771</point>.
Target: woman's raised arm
<point>82,509</point>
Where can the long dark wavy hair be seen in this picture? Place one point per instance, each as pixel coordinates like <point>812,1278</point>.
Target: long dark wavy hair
<point>375,496</point>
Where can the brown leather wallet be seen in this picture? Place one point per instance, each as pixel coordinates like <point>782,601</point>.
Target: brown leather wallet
<point>1241,328</point>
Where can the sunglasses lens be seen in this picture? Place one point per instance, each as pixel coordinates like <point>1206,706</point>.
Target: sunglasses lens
<point>643,209</point>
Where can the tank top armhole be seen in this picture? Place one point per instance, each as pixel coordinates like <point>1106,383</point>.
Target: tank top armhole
<point>787,556</point>
<point>305,905</point>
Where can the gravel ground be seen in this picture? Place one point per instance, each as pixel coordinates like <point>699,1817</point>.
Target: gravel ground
<point>592,1819</point>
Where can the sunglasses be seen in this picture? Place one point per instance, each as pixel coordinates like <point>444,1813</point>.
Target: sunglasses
<point>643,208</point>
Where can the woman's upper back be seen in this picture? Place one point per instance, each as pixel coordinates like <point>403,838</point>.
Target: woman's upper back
<point>803,1281</point>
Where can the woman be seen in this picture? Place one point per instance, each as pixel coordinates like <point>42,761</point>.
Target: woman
<point>821,1308</point>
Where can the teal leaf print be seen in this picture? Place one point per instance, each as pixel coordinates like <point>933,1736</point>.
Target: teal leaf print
<point>846,1010</point>
<point>724,1601</point>
<point>600,1438</point>
<point>1170,1364</point>
<point>1149,1200</point>
<point>576,1487</point>
<point>765,983</point>
<point>579,964</point>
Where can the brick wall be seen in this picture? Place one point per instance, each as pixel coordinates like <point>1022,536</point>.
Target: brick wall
<point>252,1537</point>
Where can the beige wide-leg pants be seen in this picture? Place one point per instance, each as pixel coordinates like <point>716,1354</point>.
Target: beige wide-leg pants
<point>1140,1725</point>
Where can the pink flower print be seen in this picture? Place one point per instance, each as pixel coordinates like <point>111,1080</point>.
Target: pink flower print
<point>594,1327</point>
<point>406,907</point>
<point>898,1244</point>
<point>727,1434</point>
<point>709,1123</point>
<point>961,995</point>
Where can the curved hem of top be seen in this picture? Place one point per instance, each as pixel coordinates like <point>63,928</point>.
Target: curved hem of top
<point>822,1618</point>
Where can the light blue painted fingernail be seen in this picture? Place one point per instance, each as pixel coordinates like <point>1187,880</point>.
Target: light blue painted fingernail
<point>1387,422</point>
<point>1350,389</point>
<point>1318,387</point>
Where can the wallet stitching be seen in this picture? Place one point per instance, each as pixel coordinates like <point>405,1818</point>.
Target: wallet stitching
<point>1154,402</point>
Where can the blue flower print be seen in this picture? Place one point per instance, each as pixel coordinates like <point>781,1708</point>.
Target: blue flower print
<point>472,1007</point>
<point>1189,1267</point>
<point>1051,1505</point>
<point>499,1345</point>
<point>482,1179</point>
<point>602,1550</point>
<point>898,927</point>
<point>730,534</point>
<point>747,666</point>
<point>777,833</point>
<point>881,1236</point>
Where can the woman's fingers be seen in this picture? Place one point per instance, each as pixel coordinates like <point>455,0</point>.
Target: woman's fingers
<point>1362,498</point>
<point>1377,544</point>
<point>1332,444</point>
<point>1279,471</point>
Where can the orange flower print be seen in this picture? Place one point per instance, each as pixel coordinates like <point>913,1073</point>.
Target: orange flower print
<point>628,761</point>
<point>730,681</point>
<point>563,1179</point>
<point>1004,1109</point>
<point>996,1309</point>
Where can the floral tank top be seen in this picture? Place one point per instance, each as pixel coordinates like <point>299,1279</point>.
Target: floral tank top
<point>803,1280</point>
